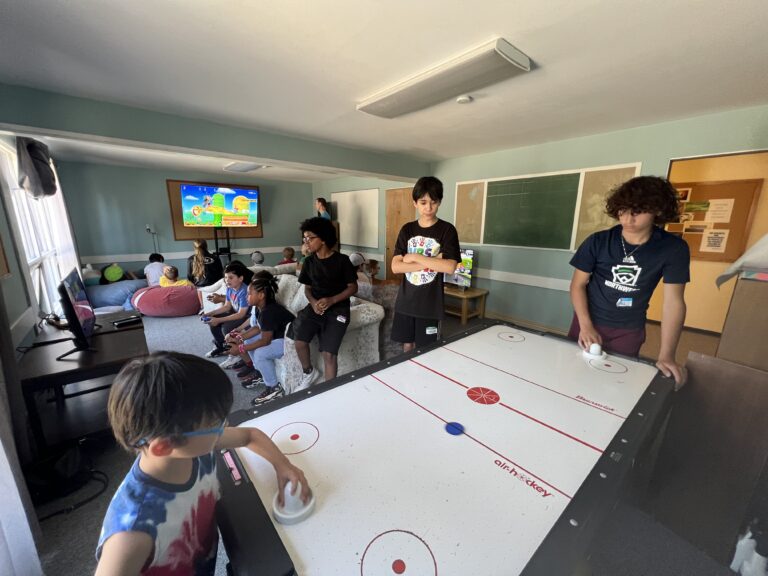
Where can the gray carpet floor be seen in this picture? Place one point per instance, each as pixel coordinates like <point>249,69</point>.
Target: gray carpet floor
<point>629,544</point>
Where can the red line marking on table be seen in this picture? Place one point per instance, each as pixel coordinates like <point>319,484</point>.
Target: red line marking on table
<point>606,411</point>
<point>470,436</point>
<point>516,411</point>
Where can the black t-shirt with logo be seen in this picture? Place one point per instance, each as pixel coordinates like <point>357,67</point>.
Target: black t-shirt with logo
<point>328,276</point>
<point>421,292</point>
<point>621,287</point>
<point>274,318</point>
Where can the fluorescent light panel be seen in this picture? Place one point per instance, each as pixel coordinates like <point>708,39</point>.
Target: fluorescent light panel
<point>243,167</point>
<point>488,64</point>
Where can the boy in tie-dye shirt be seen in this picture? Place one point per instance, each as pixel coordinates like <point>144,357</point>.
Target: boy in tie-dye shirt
<point>171,409</point>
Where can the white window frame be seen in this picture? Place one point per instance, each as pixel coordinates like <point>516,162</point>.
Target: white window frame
<point>33,224</point>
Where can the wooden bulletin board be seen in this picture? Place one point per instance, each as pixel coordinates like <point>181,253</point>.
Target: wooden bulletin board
<point>596,187</point>
<point>716,217</point>
<point>181,232</point>
<point>469,211</point>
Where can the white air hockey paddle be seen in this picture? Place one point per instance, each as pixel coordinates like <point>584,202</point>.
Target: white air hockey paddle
<point>293,510</point>
<point>595,352</point>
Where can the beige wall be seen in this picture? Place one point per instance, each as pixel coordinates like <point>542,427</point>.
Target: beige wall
<point>708,306</point>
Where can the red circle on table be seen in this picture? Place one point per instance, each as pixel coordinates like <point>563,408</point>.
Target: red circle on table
<point>398,566</point>
<point>483,395</point>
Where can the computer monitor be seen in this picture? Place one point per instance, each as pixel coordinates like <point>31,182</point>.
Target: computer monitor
<point>78,311</point>
<point>463,275</point>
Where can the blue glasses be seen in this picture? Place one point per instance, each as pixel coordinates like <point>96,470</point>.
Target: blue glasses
<point>218,431</point>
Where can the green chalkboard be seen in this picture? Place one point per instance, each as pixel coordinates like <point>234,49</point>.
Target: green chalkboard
<point>534,212</point>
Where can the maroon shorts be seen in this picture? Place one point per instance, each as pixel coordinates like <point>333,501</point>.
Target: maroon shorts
<point>624,341</point>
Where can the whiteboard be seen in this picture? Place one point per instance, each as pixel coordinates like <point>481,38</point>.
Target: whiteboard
<point>358,215</point>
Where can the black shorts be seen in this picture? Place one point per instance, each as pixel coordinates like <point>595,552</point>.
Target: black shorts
<point>329,328</point>
<point>408,329</point>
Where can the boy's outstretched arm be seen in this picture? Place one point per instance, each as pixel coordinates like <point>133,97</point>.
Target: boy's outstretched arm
<point>587,334</point>
<point>258,442</point>
<point>124,554</point>
<point>672,320</point>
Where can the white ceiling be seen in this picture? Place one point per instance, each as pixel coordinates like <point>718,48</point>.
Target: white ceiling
<point>300,67</point>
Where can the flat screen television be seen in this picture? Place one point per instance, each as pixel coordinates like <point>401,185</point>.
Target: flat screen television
<point>219,206</point>
<point>463,275</point>
<point>78,311</point>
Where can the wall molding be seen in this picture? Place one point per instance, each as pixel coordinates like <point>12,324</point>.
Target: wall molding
<point>242,251</point>
<point>525,279</point>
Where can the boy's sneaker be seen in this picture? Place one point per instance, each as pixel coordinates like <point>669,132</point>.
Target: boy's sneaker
<point>308,379</point>
<point>239,365</point>
<point>268,395</point>
<point>253,382</point>
<point>230,362</point>
<point>216,352</point>
<point>247,370</point>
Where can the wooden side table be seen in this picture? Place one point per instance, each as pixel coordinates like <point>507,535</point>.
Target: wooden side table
<point>466,295</point>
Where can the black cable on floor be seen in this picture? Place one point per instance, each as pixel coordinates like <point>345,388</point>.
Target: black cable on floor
<point>96,476</point>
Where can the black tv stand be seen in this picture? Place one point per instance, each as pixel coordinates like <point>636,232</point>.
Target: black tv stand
<point>75,349</point>
<point>226,249</point>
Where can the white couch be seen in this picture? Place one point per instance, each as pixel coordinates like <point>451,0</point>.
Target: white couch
<point>359,348</point>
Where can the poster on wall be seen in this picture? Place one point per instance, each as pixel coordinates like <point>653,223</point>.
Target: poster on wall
<point>716,217</point>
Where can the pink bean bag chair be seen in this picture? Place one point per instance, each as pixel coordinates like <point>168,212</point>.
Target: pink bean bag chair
<point>166,302</point>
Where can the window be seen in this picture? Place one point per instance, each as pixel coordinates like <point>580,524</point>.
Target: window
<point>44,231</point>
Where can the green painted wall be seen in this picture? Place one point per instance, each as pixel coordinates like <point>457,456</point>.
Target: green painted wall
<point>27,107</point>
<point>654,146</point>
<point>110,206</point>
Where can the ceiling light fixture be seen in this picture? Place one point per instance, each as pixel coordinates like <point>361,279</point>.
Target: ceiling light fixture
<point>488,64</point>
<point>243,167</point>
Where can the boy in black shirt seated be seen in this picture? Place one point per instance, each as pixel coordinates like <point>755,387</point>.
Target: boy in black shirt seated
<point>330,279</point>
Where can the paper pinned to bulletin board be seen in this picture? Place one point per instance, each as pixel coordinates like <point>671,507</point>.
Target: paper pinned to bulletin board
<point>716,217</point>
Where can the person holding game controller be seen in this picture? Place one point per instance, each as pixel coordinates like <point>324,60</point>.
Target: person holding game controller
<point>231,314</point>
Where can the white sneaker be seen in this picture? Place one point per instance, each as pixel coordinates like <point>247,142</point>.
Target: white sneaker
<point>230,361</point>
<point>307,380</point>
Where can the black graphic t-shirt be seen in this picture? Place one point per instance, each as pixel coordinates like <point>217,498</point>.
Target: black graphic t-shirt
<point>421,293</point>
<point>328,276</point>
<point>274,318</point>
<point>621,287</point>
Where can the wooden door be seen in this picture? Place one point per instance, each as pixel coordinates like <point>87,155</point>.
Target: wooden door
<point>400,209</point>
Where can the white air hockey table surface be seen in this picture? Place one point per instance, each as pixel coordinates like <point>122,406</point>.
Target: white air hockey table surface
<point>496,452</point>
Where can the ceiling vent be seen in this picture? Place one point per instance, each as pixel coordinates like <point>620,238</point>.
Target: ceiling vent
<point>243,167</point>
<point>488,64</point>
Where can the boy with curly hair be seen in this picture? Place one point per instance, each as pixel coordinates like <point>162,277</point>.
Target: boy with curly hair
<point>617,270</point>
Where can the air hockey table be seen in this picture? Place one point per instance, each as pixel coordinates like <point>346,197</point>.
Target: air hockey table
<point>497,452</point>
